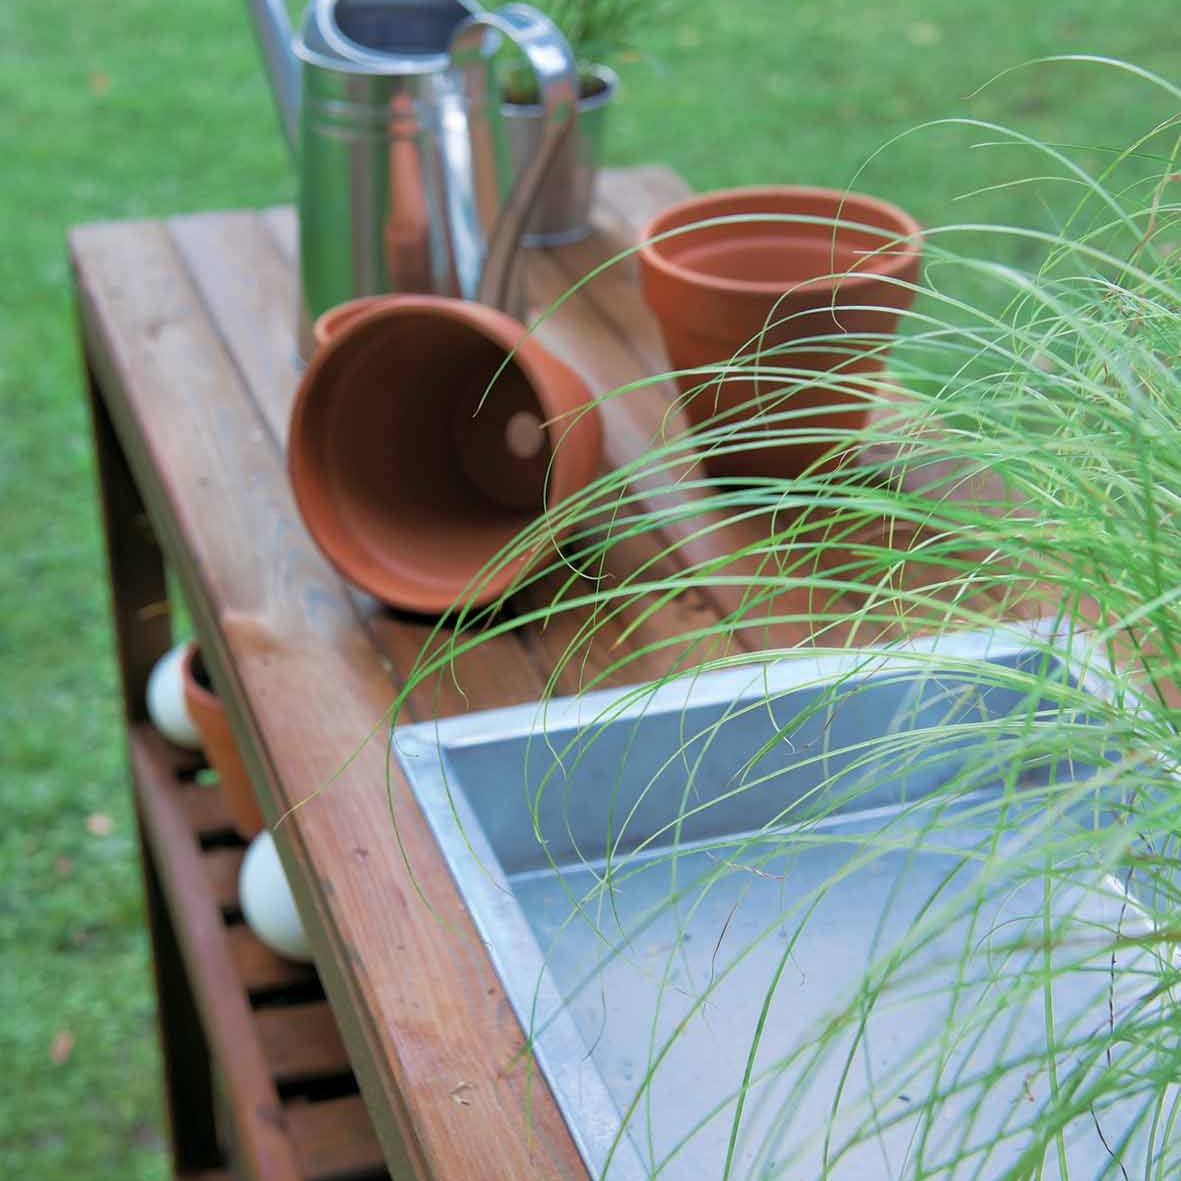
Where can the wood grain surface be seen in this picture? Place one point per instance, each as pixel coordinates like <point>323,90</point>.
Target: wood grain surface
<point>188,329</point>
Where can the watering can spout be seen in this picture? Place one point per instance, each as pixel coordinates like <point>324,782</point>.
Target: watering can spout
<point>276,40</point>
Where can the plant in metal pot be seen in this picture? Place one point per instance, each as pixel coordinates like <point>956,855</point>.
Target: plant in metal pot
<point>906,905</point>
<point>599,32</point>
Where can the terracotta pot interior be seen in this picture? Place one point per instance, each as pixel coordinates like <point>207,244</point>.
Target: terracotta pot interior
<point>417,474</point>
<point>200,673</point>
<point>809,296</point>
<point>779,253</point>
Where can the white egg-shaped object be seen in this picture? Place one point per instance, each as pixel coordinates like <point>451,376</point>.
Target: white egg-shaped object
<point>166,700</point>
<point>267,904</point>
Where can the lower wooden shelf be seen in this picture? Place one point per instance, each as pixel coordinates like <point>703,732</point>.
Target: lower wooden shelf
<point>277,1084</point>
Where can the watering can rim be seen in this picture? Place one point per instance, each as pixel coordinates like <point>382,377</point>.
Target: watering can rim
<point>341,54</point>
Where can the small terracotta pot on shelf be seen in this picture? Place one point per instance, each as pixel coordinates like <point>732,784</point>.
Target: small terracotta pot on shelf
<point>846,270</point>
<point>217,740</point>
<point>415,457</point>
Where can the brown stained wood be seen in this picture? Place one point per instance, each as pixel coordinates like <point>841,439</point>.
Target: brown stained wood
<point>627,200</point>
<point>334,1140</point>
<point>811,609</point>
<point>205,809</point>
<point>135,567</point>
<point>187,331</point>
<point>217,992</point>
<point>249,292</point>
<point>419,1003</point>
<point>630,640</point>
<point>638,194</point>
<point>221,866</point>
<point>255,319</point>
<point>638,419</point>
<point>583,350</point>
<point>199,412</point>
<point>260,969</point>
<point>280,223</point>
<point>582,347</point>
<point>189,1104</point>
<point>139,607</point>
<point>301,1042</point>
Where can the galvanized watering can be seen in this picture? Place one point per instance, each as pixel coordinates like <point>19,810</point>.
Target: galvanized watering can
<point>392,110</point>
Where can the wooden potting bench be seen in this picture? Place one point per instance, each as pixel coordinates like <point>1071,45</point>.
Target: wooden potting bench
<point>399,1051</point>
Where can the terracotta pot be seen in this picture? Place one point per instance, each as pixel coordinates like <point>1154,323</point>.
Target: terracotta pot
<point>334,319</point>
<point>217,740</point>
<point>408,478</point>
<point>759,285</point>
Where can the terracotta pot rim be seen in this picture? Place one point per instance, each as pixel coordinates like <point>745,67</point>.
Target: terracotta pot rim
<point>328,323</point>
<point>192,686</point>
<point>892,262</point>
<point>498,326</point>
<point>507,333</point>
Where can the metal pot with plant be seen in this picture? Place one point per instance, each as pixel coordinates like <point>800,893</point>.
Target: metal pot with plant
<point>971,865</point>
<point>598,32</point>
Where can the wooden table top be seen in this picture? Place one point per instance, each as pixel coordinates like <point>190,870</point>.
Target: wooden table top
<point>188,326</point>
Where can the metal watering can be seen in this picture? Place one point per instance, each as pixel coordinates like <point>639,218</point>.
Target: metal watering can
<point>392,110</point>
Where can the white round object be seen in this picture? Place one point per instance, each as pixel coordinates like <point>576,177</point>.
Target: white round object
<point>524,434</point>
<point>266,901</point>
<point>166,701</point>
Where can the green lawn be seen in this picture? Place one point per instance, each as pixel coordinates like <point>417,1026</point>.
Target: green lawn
<point>132,109</point>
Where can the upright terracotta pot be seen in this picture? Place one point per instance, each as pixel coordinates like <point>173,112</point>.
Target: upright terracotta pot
<point>217,739</point>
<point>412,467</point>
<point>760,285</point>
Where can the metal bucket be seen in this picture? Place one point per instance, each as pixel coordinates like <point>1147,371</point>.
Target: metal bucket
<point>561,210</point>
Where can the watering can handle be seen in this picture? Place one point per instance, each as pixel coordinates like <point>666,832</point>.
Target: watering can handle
<point>557,76</point>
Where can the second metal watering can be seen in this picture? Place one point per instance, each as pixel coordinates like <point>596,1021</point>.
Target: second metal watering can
<point>393,112</point>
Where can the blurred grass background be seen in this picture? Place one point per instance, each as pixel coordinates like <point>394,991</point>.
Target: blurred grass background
<point>130,109</point>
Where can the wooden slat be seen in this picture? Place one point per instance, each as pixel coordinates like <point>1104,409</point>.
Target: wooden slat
<point>609,335</point>
<point>256,320</point>
<point>138,588</point>
<point>588,340</point>
<point>499,672</point>
<point>334,1140</point>
<point>636,195</point>
<point>622,644</point>
<point>225,1017</point>
<point>418,999</point>
<point>627,200</point>
<point>135,568</point>
<point>205,808</point>
<point>221,868</point>
<point>199,399</point>
<point>582,334</point>
<point>259,968</point>
<point>301,1042</point>
<point>189,331</point>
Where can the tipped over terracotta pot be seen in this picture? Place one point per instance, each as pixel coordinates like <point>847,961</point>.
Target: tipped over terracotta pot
<point>412,468</point>
<point>330,323</point>
<point>766,285</point>
<point>217,740</point>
